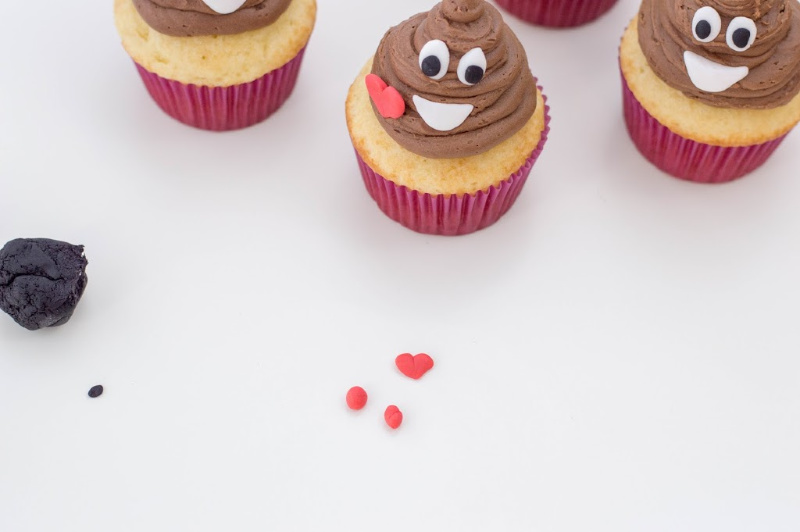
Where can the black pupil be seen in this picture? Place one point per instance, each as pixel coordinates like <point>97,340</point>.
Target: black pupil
<point>473,74</point>
<point>703,29</point>
<point>431,66</point>
<point>741,37</point>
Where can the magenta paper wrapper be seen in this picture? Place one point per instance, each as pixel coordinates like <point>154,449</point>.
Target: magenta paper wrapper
<point>685,158</point>
<point>557,13</point>
<point>224,108</point>
<point>452,214</point>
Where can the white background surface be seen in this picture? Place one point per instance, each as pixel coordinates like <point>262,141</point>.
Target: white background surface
<point>619,353</point>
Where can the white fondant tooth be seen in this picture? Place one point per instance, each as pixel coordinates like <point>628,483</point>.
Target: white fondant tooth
<point>709,76</point>
<point>442,116</point>
<point>224,7</point>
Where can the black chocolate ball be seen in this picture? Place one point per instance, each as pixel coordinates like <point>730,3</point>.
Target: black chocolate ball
<point>41,281</point>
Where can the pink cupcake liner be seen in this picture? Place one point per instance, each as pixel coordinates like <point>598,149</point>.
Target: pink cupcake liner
<point>557,13</point>
<point>452,214</point>
<point>224,108</point>
<point>685,158</point>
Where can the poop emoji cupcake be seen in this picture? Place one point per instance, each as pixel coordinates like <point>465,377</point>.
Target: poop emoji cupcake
<point>217,64</point>
<point>447,120</point>
<point>711,87</point>
<point>557,13</point>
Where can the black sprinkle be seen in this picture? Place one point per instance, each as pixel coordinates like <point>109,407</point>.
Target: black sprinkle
<point>741,37</point>
<point>703,29</point>
<point>431,66</point>
<point>96,391</point>
<point>473,74</point>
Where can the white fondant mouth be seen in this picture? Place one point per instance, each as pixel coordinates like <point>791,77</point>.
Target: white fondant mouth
<point>442,116</point>
<point>709,76</point>
<point>224,7</point>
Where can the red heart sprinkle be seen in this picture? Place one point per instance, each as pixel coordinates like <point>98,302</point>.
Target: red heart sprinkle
<point>393,416</point>
<point>356,398</point>
<point>413,366</point>
<point>388,101</point>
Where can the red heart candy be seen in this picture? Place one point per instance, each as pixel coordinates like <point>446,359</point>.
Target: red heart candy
<point>393,416</point>
<point>356,398</point>
<point>413,366</point>
<point>388,101</point>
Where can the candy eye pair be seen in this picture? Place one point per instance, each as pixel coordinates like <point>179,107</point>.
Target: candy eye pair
<point>434,60</point>
<point>707,24</point>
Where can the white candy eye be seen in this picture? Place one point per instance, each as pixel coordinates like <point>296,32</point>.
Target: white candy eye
<point>741,34</point>
<point>472,67</point>
<point>706,24</point>
<point>434,59</point>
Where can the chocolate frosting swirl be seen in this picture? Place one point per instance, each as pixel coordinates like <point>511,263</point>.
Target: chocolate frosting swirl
<point>665,33</point>
<point>190,18</point>
<point>504,99</point>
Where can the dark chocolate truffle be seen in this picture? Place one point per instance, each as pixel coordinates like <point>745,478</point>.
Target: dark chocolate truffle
<point>41,281</point>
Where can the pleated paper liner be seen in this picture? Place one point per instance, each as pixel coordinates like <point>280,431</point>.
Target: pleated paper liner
<point>224,108</point>
<point>454,214</point>
<point>557,13</point>
<point>685,158</point>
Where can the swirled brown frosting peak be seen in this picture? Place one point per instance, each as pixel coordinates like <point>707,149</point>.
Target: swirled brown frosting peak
<point>726,53</point>
<point>190,18</point>
<point>464,78</point>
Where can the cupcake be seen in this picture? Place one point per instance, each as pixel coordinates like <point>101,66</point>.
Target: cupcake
<point>447,120</point>
<point>711,87</point>
<point>217,64</point>
<point>557,13</point>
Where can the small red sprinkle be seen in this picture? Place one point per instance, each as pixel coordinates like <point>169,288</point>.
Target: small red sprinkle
<point>393,416</point>
<point>356,398</point>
